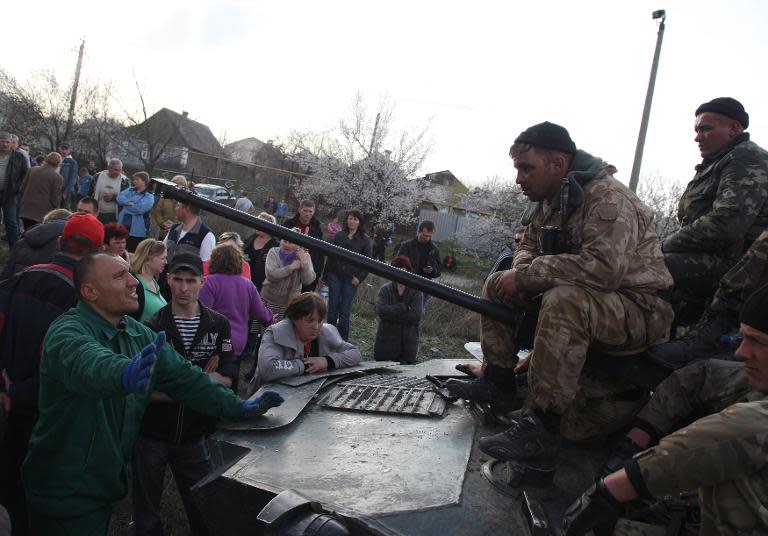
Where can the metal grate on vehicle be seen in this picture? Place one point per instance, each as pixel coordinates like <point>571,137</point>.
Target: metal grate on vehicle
<point>386,393</point>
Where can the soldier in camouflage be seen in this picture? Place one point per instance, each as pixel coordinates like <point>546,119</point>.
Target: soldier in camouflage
<point>721,315</point>
<point>723,454</point>
<point>723,209</point>
<point>601,289</point>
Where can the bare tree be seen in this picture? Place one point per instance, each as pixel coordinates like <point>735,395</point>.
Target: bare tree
<point>37,110</point>
<point>662,196</point>
<point>363,164</point>
<point>148,141</point>
<point>99,131</point>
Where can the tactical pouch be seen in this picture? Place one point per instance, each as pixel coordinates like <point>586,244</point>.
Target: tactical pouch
<point>554,240</point>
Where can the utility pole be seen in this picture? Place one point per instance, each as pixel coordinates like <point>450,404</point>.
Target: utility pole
<point>634,177</point>
<point>73,97</point>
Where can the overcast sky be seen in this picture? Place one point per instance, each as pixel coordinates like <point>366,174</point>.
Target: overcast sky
<point>480,71</point>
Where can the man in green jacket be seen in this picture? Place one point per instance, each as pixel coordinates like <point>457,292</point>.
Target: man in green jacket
<point>93,394</point>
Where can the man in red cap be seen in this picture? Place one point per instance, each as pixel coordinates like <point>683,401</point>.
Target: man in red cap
<point>29,302</point>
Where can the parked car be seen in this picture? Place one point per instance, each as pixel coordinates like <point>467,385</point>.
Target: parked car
<point>215,193</point>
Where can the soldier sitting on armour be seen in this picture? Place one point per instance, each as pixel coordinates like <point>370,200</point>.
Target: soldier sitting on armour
<point>723,209</point>
<point>598,286</point>
<point>723,454</point>
<point>720,317</point>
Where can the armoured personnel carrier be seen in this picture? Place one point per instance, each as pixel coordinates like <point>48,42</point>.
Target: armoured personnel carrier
<point>380,449</point>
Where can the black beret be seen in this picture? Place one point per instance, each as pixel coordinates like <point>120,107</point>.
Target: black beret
<point>548,135</point>
<point>728,107</point>
<point>755,310</point>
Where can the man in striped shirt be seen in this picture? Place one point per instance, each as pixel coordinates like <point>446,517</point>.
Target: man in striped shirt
<point>170,432</point>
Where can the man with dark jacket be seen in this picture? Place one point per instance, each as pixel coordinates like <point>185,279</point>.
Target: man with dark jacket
<point>423,254</point>
<point>38,245</point>
<point>14,165</point>
<point>305,221</point>
<point>69,170</point>
<point>172,433</point>
<point>191,235</point>
<point>29,302</point>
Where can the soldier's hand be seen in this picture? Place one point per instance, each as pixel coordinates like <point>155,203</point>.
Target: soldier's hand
<point>596,507</point>
<point>506,284</point>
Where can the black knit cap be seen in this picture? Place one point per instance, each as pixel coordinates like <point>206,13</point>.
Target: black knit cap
<point>728,107</point>
<point>755,310</point>
<point>548,135</point>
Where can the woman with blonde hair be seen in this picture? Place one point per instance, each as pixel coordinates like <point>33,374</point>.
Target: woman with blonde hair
<point>287,268</point>
<point>147,263</point>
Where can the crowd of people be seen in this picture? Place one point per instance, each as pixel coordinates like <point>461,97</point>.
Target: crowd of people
<point>89,299</point>
<point>100,258</point>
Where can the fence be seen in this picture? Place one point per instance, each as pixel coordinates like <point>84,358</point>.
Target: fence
<point>448,226</point>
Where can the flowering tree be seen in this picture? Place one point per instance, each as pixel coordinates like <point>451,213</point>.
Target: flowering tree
<point>360,164</point>
<point>498,204</point>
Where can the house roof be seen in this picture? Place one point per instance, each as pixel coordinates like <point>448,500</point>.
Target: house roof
<point>197,136</point>
<point>247,143</point>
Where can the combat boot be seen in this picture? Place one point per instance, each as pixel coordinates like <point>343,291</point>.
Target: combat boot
<point>701,342</point>
<point>497,386</point>
<point>535,437</point>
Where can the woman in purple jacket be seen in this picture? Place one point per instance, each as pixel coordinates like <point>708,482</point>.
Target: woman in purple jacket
<point>227,292</point>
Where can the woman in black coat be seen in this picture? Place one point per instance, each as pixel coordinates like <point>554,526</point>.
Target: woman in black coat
<point>399,310</point>
<point>342,277</point>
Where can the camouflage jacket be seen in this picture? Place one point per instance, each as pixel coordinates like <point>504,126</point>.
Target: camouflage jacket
<point>612,241</point>
<point>724,456</point>
<point>725,206</point>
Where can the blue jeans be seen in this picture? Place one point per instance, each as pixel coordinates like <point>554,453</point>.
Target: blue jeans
<point>189,462</point>
<point>11,218</point>
<point>340,296</point>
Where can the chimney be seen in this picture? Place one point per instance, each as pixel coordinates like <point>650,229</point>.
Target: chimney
<point>185,114</point>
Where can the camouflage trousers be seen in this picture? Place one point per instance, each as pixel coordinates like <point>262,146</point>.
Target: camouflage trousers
<point>749,274</point>
<point>571,319</point>
<point>696,276</point>
<point>694,391</point>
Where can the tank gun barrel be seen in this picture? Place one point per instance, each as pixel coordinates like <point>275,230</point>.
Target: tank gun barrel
<point>452,295</point>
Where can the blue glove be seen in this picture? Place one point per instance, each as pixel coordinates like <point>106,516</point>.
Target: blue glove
<point>260,404</point>
<point>136,374</point>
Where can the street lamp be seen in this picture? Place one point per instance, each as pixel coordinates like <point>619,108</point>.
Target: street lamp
<point>634,177</point>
